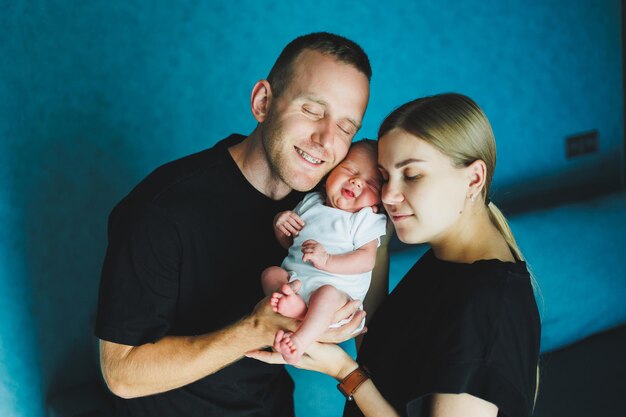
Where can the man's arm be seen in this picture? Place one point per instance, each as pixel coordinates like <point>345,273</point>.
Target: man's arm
<point>175,361</point>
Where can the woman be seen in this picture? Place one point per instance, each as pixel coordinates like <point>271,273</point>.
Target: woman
<point>459,336</point>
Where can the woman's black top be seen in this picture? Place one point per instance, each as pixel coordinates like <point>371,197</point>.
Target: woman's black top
<point>456,328</point>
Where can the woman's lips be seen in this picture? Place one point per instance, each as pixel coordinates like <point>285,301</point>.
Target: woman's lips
<point>400,217</point>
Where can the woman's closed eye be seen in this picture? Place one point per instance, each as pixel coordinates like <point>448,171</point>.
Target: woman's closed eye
<point>411,177</point>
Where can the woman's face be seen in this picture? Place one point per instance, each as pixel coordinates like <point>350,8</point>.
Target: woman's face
<point>423,193</point>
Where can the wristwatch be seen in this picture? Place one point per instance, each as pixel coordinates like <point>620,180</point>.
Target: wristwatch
<point>352,382</point>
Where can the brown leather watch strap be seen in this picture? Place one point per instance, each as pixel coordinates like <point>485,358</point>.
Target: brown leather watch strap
<point>352,382</point>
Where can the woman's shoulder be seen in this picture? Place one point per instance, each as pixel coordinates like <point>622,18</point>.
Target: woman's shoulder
<point>492,283</point>
<point>478,288</point>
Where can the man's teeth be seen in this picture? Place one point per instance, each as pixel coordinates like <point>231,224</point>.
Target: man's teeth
<point>308,157</point>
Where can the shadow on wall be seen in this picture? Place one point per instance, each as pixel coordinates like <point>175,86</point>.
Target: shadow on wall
<point>72,168</point>
<point>582,178</point>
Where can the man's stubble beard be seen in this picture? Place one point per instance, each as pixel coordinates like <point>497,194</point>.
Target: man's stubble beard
<point>272,138</point>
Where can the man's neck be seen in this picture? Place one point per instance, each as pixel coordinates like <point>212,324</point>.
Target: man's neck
<point>250,157</point>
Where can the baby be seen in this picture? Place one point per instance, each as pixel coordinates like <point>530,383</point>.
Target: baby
<point>332,240</point>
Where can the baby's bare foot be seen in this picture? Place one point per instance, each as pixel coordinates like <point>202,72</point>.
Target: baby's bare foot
<point>278,337</point>
<point>291,348</point>
<point>288,303</point>
<point>274,299</point>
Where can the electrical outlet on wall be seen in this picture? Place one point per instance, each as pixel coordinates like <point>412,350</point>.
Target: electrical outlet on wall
<point>581,144</point>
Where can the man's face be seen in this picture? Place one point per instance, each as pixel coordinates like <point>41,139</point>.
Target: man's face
<point>309,128</point>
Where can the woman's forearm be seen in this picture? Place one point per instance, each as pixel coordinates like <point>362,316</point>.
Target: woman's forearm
<point>367,397</point>
<point>371,402</point>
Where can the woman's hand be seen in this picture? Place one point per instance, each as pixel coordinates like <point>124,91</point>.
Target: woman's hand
<point>345,332</point>
<point>326,358</point>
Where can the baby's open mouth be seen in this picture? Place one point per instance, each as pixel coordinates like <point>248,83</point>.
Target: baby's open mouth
<point>347,193</point>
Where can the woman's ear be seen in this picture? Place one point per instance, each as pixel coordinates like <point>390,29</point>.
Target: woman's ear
<point>477,175</point>
<point>260,100</point>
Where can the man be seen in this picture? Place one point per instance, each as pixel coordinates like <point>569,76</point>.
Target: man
<point>187,246</point>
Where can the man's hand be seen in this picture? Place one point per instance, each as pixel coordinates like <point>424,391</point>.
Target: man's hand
<point>288,223</point>
<point>175,361</point>
<point>269,322</point>
<point>315,254</point>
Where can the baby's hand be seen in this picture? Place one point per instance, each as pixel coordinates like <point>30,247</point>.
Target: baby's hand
<point>288,223</point>
<point>315,254</point>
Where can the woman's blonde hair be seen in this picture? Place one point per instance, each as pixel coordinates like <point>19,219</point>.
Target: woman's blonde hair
<point>458,128</point>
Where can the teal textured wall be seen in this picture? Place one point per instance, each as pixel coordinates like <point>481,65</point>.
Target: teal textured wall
<point>94,95</point>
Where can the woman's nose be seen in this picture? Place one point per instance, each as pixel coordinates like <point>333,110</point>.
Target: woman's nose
<point>390,194</point>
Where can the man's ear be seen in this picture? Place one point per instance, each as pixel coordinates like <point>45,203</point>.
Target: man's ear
<point>260,100</point>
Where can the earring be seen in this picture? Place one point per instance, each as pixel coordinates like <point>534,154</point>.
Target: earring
<point>472,197</point>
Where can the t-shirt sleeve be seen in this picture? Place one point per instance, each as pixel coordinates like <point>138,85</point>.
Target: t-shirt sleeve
<point>367,226</point>
<point>139,281</point>
<point>489,350</point>
<point>309,200</point>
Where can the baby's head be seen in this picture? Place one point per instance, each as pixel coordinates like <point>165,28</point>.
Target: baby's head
<point>356,182</point>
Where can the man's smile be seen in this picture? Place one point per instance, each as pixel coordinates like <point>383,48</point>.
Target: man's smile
<point>308,157</point>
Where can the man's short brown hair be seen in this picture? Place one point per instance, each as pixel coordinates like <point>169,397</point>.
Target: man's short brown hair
<point>342,49</point>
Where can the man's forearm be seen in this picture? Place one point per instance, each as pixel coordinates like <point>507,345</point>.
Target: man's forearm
<point>176,361</point>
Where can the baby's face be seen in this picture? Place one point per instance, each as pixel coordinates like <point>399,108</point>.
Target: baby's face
<point>356,182</point>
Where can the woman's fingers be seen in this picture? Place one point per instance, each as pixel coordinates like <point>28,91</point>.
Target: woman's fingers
<point>345,332</point>
<point>347,310</point>
<point>326,358</point>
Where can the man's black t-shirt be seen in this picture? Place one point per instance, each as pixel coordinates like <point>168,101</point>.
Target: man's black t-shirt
<point>456,328</point>
<point>186,250</point>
